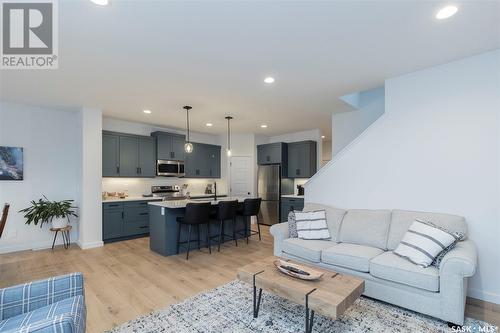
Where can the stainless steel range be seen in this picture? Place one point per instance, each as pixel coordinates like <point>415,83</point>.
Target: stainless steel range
<point>167,192</point>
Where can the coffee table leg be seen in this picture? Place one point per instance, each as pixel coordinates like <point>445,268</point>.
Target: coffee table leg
<point>256,301</point>
<point>309,314</point>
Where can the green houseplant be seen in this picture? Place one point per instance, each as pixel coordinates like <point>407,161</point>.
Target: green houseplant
<point>44,211</point>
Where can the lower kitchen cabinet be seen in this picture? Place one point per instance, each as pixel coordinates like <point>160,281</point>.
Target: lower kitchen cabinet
<point>288,205</point>
<point>123,220</point>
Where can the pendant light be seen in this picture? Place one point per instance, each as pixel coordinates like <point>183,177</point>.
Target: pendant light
<point>188,146</point>
<point>229,135</point>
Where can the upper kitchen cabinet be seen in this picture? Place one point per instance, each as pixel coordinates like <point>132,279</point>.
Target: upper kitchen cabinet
<point>110,155</point>
<point>272,153</point>
<point>126,155</point>
<point>302,159</point>
<point>203,162</point>
<point>169,146</point>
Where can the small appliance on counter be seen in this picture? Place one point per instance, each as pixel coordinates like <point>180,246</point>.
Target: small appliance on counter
<point>167,192</point>
<point>300,190</point>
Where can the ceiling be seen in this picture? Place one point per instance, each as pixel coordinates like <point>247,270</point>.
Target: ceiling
<point>161,55</point>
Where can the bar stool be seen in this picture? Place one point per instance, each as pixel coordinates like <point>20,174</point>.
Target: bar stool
<point>226,210</point>
<point>251,207</point>
<point>196,215</point>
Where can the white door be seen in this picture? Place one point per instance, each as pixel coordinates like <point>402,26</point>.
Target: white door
<point>241,176</point>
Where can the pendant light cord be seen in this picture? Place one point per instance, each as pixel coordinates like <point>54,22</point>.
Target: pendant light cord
<point>228,134</point>
<point>187,117</point>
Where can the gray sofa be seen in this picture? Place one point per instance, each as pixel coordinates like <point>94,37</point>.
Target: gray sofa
<point>362,244</point>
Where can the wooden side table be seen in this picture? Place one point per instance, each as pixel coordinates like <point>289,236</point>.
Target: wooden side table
<point>65,235</point>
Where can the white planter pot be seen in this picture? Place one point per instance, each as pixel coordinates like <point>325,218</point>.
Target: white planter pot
<point>59,223</point>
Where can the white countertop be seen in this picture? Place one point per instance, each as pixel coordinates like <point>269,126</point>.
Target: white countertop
<point>294,196</point>
<point>183,203</point>
<point>132,198</point>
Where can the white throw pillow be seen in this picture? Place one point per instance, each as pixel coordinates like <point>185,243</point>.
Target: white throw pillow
<point>312,225</point>
<point>423,242</point>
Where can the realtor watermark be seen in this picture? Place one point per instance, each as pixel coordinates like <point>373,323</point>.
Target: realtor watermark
<point>475,328</point>
<point>29,36</point>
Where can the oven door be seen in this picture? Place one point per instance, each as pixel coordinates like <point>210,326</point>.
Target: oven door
<point>167,168</point>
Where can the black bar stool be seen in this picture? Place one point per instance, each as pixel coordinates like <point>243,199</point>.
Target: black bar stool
<point>251,207</point>
<point>196,215</point>
<point>226,210</point>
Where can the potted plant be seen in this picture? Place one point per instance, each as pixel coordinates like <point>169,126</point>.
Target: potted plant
<point>44,211</point>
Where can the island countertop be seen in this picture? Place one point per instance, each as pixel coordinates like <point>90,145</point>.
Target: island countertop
<point>173,204</point>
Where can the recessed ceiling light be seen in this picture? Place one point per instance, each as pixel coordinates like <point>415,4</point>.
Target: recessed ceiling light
<point>101,2</point>
<point>446,12</point>
<point>263,126</point>
<point>209,124</point>
<point>269,80</point>
<point>323,136</point>
<point>147,111</point>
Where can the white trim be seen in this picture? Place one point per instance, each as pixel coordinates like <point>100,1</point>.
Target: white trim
<point>484,295</point>
<point>90,245</point>
<point>31,246</point>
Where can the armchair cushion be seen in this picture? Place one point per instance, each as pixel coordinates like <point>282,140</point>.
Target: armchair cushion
<point>67,315</point>
<point>30,296</point>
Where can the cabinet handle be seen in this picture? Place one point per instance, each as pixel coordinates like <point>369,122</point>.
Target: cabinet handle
<point>173,154</point>
<point>122,215</point>
<point>297,172</point>
<point>116,205</point>
<point>137,170</point>
<point>140,170</point>
<point>117,169</point>
<point>268,158</point>
<point>143,227</point>
<point>144,214</point>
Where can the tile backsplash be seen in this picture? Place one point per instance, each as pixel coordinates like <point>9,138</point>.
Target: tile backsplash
<point>140,186</point>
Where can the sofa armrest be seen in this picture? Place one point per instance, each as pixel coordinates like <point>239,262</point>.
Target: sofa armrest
<point>462,260</point>
<point>30,296</point>
<point>280,233</point>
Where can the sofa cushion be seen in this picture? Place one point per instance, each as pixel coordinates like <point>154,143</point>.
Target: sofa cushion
<point>350,256</point>
<point>67,315</point>
<point>402,219</point>
<point>334,218</point>
<point>366,227</point>
<point>389,266</point>
<point>306,248</point>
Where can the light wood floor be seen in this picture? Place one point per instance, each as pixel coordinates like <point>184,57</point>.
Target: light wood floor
<point>124,280</point>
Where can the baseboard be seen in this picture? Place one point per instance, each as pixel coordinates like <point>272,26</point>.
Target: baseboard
<point>89,245</point>
<point>29,247</point>
<point>484,296</point>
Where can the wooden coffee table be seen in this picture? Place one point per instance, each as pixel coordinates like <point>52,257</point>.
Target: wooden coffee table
<point>330,296</point>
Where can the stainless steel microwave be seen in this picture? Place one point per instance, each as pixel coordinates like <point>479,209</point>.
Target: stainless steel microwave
<point>167,168</point>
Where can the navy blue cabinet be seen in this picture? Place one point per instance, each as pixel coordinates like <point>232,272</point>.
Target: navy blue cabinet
<point>203,162</point>
<point>288,205</point>
<point>123,220</point>
<point>169,146</point>
<point>110,155</point>
<point>126,155</point>
<point>302,159</point>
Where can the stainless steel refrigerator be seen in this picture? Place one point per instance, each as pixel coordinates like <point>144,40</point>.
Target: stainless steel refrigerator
<point>270,186</point>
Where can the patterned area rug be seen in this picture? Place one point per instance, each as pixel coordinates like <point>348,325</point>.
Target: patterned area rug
<point>228,309</point>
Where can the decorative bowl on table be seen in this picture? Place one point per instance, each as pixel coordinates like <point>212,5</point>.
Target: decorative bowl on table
<point>297,271</point>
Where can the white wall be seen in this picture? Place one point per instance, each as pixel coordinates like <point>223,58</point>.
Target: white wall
<point>346,126</point>
<point>51,167</point>
<point>90,150</point>
<point>436,148</point>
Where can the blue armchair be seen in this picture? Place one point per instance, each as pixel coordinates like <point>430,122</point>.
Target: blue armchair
<point>54,305</point>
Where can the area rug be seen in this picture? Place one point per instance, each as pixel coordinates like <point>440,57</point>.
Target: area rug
<point>228,309</point>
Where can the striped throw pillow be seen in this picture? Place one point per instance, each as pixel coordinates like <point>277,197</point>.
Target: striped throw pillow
<point>312,225</point>
<point>423,242</point>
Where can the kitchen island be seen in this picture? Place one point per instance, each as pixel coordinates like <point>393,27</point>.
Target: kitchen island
<point>163,226</point>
